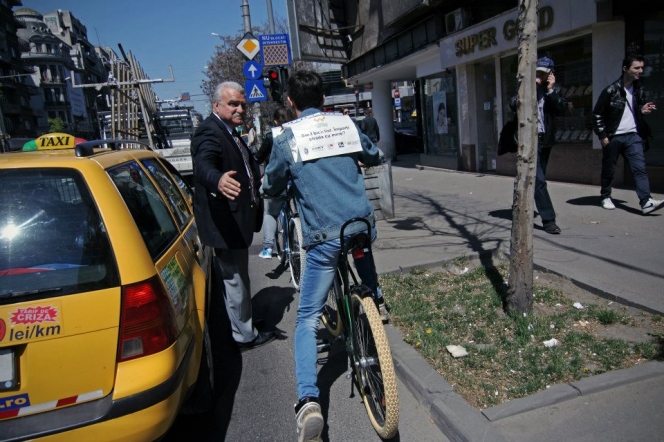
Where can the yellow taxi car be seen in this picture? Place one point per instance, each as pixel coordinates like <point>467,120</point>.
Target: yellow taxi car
<point>103,294</point>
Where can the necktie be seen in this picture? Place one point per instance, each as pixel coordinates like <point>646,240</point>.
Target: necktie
<point>247,164</point>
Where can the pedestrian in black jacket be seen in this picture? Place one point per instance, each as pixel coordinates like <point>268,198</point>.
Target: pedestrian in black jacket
<point>550,103</point>
<point>619,124</point>
<point>369,127</point>
<point>227,207</point>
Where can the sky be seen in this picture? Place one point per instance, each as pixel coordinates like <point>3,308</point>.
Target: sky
<point>164,32</point>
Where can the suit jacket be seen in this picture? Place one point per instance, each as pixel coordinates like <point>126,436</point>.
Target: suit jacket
<point>223,223</point>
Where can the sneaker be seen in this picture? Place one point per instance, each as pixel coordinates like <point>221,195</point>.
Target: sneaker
<point>309,420</point>
<point>384,314</point>
<point>608,204</point>
<point>651,205</point>
<point>265,254</point>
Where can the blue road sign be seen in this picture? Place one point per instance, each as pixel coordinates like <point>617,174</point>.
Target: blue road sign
<point>252,70</point>
<point>275,50</point>
<point>255,90</point>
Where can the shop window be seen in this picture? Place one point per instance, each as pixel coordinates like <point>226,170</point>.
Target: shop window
<point>573,72</point>
<point>653,82</point>
<point>440,115</point>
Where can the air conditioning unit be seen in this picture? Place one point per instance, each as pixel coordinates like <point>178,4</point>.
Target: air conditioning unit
<point>456,20</point>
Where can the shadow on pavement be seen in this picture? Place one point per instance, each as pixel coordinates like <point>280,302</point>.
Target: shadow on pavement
<point>334,365</point>
<point>407,223</point>
<point>270,304</point>
<point>597,201</point>
<point>213,425</point>
<point>505,214</point>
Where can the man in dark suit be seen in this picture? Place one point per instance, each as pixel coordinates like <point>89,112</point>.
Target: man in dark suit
<point>227,207</point>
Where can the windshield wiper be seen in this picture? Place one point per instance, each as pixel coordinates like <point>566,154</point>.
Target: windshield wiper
<point>10,294</point>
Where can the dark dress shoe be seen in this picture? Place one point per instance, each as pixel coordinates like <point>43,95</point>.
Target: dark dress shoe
<point>552,229</point>
<point>262,339</point>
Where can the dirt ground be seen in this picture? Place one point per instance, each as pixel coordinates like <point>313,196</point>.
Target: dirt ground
<point>643,327</point>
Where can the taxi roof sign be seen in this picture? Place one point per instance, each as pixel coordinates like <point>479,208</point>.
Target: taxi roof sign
<point>52,141</point>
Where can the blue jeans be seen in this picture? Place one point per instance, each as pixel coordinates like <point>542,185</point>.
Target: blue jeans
<point>272,208</point>
<point>316,281</point>
<point>631,147</point>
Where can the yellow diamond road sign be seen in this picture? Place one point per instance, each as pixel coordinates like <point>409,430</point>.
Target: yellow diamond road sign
<point>249,46</point>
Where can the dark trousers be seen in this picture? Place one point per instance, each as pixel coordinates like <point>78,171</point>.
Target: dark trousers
<point>630,146</point>
<point>542,198</point>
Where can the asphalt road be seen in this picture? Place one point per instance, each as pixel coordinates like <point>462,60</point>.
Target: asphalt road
<point>258,386</point>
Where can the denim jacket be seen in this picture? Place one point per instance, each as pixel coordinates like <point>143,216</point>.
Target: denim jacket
<point>328,191</point>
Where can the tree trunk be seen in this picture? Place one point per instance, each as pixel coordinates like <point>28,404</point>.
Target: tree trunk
<point>520,292</point>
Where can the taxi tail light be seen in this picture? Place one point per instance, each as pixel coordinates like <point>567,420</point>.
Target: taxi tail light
<point>147,322</point>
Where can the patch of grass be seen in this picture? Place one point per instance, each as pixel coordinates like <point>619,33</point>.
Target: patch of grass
<point>507,356</point>
<point>606,316</point>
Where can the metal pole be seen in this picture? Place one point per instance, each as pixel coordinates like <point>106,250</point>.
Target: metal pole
<point>246,16</point>
<point>256,108</point>
<point>270,16</point>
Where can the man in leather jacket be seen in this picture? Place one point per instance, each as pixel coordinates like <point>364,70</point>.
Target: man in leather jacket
<point>551,103</point>
<point>618,122</point>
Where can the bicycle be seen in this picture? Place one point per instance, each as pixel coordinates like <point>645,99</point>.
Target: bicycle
<point>350,314</point>
<point>288,239</point>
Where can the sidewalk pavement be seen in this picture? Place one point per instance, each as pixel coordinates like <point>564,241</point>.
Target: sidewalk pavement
<point>616,254</point>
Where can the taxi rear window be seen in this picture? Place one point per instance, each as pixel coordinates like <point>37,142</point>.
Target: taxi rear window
<point>52,238</point>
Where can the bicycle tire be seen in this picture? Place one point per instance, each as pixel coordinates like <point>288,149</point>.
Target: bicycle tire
<point>374,367</point>
<point>279,240</point>
<point>330,316</point>
<point>296,256</point>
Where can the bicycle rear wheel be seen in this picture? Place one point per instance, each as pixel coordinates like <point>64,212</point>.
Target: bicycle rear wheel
<point>374,367</point>
<point>279,239</point>
<point>330,317</point>
<point>296,256</point>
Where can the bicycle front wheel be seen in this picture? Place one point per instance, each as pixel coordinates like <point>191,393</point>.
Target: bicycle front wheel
<point>296,257</point>
<point>330,317</point>
<point>374,367</point>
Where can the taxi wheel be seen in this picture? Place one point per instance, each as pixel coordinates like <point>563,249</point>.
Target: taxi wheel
<point>202,397</point>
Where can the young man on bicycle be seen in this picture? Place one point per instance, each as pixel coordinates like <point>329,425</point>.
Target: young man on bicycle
<point>322,154</point>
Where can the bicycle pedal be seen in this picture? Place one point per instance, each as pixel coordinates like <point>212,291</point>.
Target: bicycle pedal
<point>323,345</point>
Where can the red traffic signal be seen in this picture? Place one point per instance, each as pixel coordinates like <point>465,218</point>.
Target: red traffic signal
<point>274,83</point>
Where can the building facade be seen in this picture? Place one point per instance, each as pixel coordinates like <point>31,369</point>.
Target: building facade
<point>17,119</point>
<point>48,57</point>
<point>462,58</point>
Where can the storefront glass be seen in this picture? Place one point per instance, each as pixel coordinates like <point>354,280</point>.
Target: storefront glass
<point>653,82</point>
<point>441,115</point>
<point>573,71</point>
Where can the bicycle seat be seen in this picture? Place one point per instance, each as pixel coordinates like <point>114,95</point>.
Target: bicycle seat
<point>358,241</point>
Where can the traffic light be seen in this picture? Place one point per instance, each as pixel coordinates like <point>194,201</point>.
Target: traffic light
<point>275,85</point>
